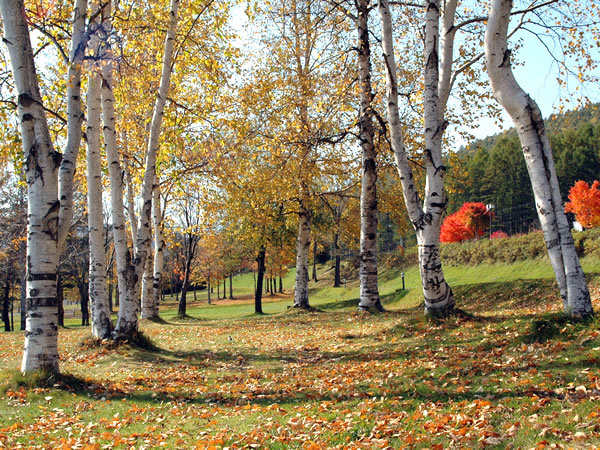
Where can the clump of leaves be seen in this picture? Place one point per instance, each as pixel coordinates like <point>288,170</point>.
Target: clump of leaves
<point>541,331</point>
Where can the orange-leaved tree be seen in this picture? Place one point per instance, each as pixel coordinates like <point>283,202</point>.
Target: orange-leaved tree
<point>585,203</point>
<point>469,222</point>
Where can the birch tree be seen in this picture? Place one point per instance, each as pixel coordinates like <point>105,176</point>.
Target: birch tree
<point>101,323</point>
<point>439,78</point>
<point>130,267</point>
<point>369,291</point>
<point>41,166</point>
<point>528,121</point>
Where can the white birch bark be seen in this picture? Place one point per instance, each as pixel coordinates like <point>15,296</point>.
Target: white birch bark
<point>302,247</point>
<point>159,245</point>
<point>101,324</point>
<point>127,323</point>
<point>147,293</point>
<point>528,121</point>
<point>128,181</point>
<point>74,121</point>
<point>426,218</point>
<point>41,170</point>
<point>369,292</point>
<point>144,234</point>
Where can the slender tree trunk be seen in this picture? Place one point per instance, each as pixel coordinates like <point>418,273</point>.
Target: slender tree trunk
<point>159,245</point>
<point>369,291</point>
<point>60,295</point>
<point>6,306</point>
<point>208,289</point>
<point>182,309</point>
<point>127,321</point>
<point>110,294</point>
<point>41,165</point>
<point>314,269</point>
<point>426,220</point>
<point>260,259</point>
<point>231,286</point>
<point>144,234</point>
<point>337,281</point>
<point>74,121</point>
<point>195,295</point>
<point>148,299</point>
<point>224,288</point>
<point>129,190</point>
<point>84,303</point>
<point>280,285</point>
<point>528,121</point>
<point>101,323</point>
<point>302,248</point>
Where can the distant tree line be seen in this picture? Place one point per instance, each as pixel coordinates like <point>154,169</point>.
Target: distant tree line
<point>494,172</point>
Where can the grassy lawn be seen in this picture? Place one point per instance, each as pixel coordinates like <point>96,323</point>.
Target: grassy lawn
<point>516,374</point>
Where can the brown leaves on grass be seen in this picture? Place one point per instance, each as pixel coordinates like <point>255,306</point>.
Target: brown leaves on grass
<point>326,380</point>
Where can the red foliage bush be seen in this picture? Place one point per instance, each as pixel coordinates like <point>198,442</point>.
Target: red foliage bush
<point>469,222</point>
<point>498,235</point>
<point>585,203</point>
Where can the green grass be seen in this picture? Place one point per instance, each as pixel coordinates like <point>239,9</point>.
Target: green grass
<point>516,374</point>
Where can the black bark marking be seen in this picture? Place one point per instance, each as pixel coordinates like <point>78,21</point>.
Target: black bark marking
<point>26,100</point>
<point>505,59</point>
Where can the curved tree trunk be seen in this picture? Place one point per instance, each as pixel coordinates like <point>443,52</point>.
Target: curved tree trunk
<point>41,171</point>
<point>302,247</point>
<point>369,291</point>
<point>528,121</point>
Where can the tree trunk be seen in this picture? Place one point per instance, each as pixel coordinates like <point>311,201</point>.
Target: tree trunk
<point>302,248</point>
<point>101,323</point>
<point>528,121</point>
<point>280,285</point>
<point>41,164</point>
<point>337,281</point>
<point>84,303</point>
<point>369,291</point>
<point>110,294</point>
<point>74,121</point>
<point>148,299</point>
<point>182,309</point>
<point>208,289</point>
<point>144,234</point>
<point>6,306</point>
<point>231,286</point>
<point>195,295</point>
<point>260,259</point>
<point>426,219</point>
<point>159,245</point>
<point>127,279</point>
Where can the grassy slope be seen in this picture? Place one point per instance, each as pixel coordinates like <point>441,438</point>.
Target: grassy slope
<point>517,375</point>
